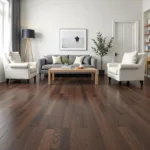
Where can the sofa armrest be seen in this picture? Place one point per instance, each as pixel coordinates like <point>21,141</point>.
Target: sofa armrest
<point>19,65</point>
<point>41,62</point>
<point>93,62</point>
<point>128,66</point>
<point>112,64</point>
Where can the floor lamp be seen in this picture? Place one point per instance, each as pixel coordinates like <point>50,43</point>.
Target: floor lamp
<point>28,34</point>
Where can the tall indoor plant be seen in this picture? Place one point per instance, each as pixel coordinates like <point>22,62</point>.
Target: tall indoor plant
<point>102,48</point>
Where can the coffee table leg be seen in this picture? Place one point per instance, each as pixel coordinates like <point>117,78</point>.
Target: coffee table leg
<point>49,77</point>
<point>96,77</point>
<point>53,76</point>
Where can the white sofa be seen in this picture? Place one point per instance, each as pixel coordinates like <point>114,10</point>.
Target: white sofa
<point>15,69</point>
<point>128,72</point>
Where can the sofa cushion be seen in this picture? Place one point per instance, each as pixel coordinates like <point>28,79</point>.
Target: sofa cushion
<point>45,67</point>
<point>48,59</point>
<point>65,59</point>
<point>86,60</point>
<point>113,70</point>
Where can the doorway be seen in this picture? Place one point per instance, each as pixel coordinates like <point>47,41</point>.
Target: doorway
<point>126,36</point>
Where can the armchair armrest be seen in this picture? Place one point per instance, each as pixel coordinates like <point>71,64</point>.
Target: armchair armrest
<point>93,62</point>
<point>128,66</point>
<point>32,63</point>
<point>113,64</point>
<point>19,65</point>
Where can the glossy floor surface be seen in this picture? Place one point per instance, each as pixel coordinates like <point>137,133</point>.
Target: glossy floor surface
<point>74,114</point>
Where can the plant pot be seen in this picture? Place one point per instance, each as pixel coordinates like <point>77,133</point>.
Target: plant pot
<point>101,73</point>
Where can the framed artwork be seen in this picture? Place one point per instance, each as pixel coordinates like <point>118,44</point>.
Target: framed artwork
<point>73,39</point>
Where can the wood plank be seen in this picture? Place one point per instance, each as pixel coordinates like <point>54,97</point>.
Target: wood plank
<point>75,114</point>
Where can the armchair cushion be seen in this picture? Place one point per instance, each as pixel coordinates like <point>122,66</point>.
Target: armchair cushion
<point>19,65</point>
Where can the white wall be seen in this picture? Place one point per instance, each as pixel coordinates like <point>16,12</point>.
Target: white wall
<point>146,5</point>
<point>46,17</point>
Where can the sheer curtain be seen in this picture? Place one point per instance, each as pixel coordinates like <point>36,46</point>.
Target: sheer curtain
<point>10,29</point>
<point>4,26</point>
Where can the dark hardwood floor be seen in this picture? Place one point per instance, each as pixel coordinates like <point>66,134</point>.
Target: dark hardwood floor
<point>74,114</point>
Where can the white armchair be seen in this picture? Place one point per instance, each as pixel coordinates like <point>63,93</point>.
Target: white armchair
<point>15,69</point>
<point>127,72</point>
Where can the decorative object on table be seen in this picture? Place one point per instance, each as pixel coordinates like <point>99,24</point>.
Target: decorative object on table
<point>67,67</point>
<point>102,48</point>
<point>73,39</point>
<point>28,34</point>
<point>79,67</point>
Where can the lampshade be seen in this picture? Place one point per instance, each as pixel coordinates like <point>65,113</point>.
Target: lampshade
<point>28,33</point>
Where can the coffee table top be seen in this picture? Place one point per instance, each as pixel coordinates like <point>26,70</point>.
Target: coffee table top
<point>73,70</point>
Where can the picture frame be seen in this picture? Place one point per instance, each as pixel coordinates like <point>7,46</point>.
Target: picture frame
<point>73,39</point>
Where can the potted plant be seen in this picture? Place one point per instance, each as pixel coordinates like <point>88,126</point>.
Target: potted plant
<point>102,48</point>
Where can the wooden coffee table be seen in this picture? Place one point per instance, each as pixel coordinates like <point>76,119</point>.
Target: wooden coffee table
<point>52,71</point>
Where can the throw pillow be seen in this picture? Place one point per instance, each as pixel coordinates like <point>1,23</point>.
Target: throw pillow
<point>48,59</point>
<point>86,60</point>
<point>71,59</point>
<point>14,57</point>
<point>56,60</point>
<point>78,60</point>
<point>65,59</point>
<point>130,58</point>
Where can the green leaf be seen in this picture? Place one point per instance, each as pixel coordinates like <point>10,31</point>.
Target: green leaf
<point>102,47</point>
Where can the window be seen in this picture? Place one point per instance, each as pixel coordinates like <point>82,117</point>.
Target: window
<point>1,25</point>
<point>4,25</point>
